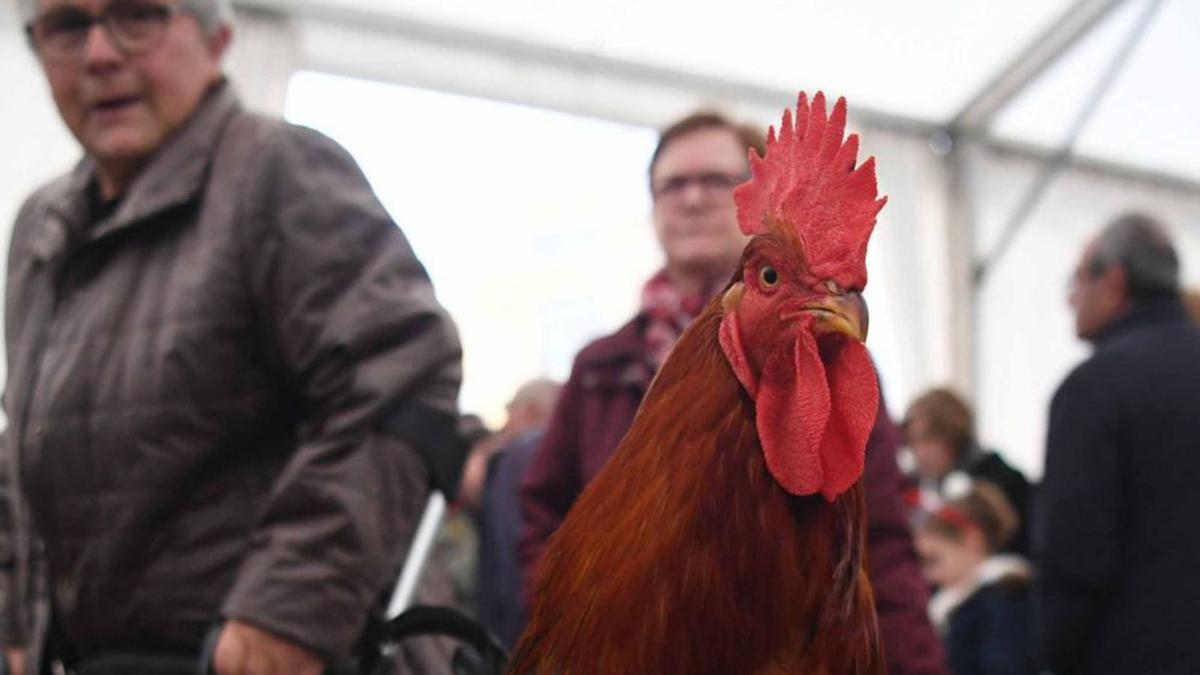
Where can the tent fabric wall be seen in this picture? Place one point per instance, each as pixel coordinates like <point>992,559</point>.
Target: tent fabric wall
<point>533,224</point>
<point>908,265</point>
<point>265,54</point>
<point>35,144</point>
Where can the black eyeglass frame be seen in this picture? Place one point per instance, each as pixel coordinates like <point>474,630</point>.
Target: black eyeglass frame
<point>708,180</point>
<point>106,21</point>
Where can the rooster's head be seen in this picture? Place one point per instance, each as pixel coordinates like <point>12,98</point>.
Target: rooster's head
<point>795,320</point>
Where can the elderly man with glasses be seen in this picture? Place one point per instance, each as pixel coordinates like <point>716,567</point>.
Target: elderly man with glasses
<point>223,360</point>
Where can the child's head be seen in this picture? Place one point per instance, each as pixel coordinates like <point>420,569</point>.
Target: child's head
<point>956,538</point>
<point>939,429</point>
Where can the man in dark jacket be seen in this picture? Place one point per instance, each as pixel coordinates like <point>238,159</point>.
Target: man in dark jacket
<point>222,355</point>
<point>698,162</point>
<point>1117,539</point>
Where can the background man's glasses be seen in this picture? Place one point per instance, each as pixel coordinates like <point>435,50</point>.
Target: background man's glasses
<point>136,27</point>
<point>710,183</point>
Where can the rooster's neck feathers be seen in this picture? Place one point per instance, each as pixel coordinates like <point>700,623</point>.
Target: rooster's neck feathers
<point>685,556</point>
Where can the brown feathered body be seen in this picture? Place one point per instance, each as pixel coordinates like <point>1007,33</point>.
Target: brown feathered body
<point>686,556</point>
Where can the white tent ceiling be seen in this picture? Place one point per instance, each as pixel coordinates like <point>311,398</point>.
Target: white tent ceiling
<point>914,59</point>
<point>1148,117</point>
<point>918,64</point>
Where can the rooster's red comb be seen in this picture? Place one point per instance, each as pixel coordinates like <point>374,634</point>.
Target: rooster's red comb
<point>807,187</point>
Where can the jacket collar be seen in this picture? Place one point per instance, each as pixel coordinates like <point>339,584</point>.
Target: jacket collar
<point>174,176</point>
<point>620,359</point>
<point>1144,313</point>
<point>996,568</point>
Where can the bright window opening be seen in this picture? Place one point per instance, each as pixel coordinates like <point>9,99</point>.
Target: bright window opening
<point>534,225</point>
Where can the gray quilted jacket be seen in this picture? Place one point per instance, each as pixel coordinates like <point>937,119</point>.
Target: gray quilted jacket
<point>215,393</point>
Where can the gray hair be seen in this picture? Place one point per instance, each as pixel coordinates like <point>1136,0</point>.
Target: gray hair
<point>210,14</point>
<point>1139,244</point>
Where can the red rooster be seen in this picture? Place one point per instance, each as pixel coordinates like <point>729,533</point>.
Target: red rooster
<point>727,533</point>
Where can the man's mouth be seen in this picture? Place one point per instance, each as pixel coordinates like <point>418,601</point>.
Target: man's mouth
<point>114,103</point>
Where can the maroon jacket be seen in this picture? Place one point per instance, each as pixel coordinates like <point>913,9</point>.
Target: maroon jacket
<point>596,408</point>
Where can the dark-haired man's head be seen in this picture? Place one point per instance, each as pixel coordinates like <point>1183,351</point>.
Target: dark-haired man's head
<point>698,162</point>
<point>1131,261</point>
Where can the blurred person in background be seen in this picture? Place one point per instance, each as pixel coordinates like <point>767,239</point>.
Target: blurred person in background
<point>940,431</point>
<point>494,473</point>
<point>527,414</point>
<point>454,562</point>
<point>1117,541</point>
<point>983,606</point>
<point>693,171</point>
<point>223,360</point>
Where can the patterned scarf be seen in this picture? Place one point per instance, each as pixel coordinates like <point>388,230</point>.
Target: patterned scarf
<point>668,313</point>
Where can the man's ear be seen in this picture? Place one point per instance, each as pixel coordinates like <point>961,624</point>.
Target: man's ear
<point>219,41</point>
<point>1116,283</point>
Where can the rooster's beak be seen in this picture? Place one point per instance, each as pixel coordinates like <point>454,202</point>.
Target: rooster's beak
<point>733,297</point>
<point>845,313</point>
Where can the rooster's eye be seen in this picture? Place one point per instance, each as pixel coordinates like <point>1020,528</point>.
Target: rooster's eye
<point>768,276</point>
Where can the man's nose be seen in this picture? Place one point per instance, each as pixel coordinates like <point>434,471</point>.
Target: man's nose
<point>694,194</point>
<point>100,52</point>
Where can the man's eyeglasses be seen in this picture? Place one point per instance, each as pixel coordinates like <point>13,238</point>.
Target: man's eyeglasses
<point>674,187</point>
<point>136,27</point>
